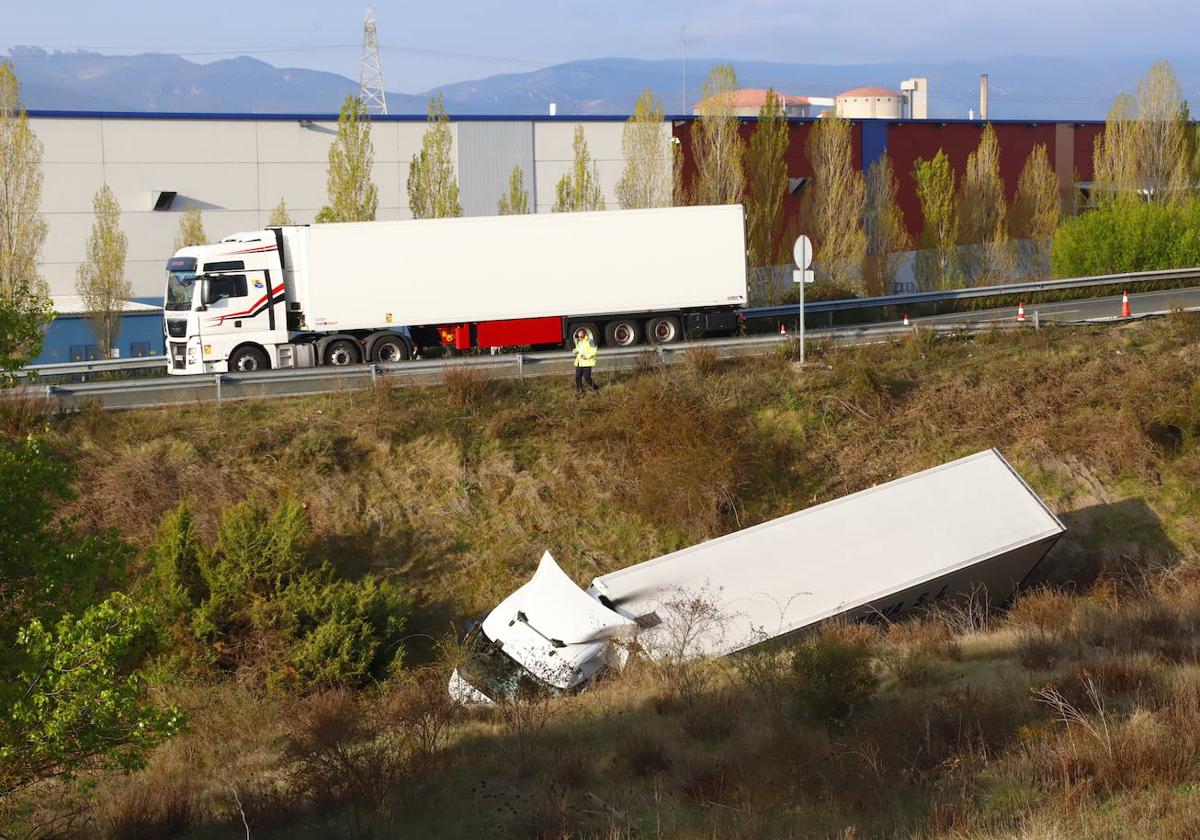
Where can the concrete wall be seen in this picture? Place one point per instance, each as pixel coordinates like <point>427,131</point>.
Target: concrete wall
<point>234,170</point>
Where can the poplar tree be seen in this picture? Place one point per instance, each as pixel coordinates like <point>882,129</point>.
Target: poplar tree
<point>983,214</point>
<point>838,200</point>
<point>24,303</point>
<point>648,177</point>
<point>1147,149</point>
<point>191,229</point>
<point>1036,211</point>
<point>716,142</point>
<point>516,201</point>
<point>766,184</point>
<point>937,263</point>
<point>280,215</point>
<point>432,183</point>
<point>883,223</point>
<point>353,196</point>
<point>101,280</point>
<point>579,189</point>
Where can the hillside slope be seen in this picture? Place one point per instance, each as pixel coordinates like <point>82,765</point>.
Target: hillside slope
<point>1074,714</point>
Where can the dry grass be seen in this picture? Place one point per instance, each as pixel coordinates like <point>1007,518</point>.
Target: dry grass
<point>455,491</point>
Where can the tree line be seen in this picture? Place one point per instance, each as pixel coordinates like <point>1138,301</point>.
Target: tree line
<point>1146,164</point>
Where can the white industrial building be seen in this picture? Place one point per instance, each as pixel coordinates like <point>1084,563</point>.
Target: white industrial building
<point>236,168</point>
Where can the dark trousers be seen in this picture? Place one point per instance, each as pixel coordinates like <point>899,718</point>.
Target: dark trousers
<point>583,375</point>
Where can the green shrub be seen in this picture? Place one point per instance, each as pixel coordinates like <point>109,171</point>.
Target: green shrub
<point>256,556</point>
<point>344,632</point>
<point>176,560</point>
<point>253,595</point>
<point>834,673</point>
<point>1126,236</point>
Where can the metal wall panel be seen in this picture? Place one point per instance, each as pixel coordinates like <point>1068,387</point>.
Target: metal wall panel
<point>487,153</point>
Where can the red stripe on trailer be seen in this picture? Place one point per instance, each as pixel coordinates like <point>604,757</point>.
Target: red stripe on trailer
<point>519,332</point>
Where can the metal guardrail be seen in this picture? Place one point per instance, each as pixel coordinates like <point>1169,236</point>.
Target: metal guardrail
<point>913,298</point>
<point>95,366</point>
<point>180,390</point>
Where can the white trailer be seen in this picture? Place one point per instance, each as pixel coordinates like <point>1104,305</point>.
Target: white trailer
<point>297,296</point>
<point>971,526</point>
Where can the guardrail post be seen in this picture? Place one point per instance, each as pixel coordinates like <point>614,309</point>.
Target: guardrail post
<point>217,378</point>
<point>373,371</point>
<point>1037,324</point>
<point>520,367</point>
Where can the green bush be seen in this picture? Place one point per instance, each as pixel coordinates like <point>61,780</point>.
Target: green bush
<point>344,632</point>
<point>834,673</point>
<point>254,595</point>
<point>1125,236</point>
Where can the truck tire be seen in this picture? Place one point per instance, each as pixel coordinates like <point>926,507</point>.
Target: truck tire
<point>624,332</point>
<point>590,328</point>
<point>341,353</point>
<point>390,349</point>
<point>248,359</point>
<point>663,329</point>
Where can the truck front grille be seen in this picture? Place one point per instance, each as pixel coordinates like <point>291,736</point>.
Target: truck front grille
<point>176,328</point>
<point>178,355</point>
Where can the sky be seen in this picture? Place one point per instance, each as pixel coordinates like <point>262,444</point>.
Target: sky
<point>427,44</point>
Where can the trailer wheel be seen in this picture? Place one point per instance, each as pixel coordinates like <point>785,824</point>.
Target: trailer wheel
<point>593,332</point>
<point>663,330</point>
<point>341,353</point>
<point>623,333</point>
<point>248,359</point>
<point>390,349</point>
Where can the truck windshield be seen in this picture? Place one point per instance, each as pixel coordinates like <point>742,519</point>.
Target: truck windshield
<point>496,674</point>
<point>180,288</point>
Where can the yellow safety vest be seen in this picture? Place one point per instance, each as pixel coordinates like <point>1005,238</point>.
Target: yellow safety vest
<point>585,353</point>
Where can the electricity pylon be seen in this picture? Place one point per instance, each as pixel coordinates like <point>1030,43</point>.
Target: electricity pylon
<point>370,75</point>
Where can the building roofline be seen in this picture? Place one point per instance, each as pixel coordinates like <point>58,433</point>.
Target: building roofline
<point>561,118</point>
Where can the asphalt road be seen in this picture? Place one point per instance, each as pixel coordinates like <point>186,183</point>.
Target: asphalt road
<point>1144,303</point>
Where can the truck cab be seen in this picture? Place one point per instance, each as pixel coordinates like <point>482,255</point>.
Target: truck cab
<point>225,306</point>
<point>548,636</point>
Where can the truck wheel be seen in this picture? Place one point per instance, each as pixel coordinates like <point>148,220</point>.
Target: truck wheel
<point>593,332</point>
<point>248,360</point>
<point>622,333</point>
<point>390,349</point>
<point>341,353</point>
<point>663,330</point>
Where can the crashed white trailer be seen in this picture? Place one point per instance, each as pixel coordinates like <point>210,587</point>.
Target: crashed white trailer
<point>972,525</point>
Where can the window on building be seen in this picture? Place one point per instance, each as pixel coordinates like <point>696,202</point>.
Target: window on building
<point>84,352</point>
<point>226,286</point>
<point>139,349</point>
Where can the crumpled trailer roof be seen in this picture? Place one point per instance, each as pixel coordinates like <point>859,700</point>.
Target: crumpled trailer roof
<point>968,525</point>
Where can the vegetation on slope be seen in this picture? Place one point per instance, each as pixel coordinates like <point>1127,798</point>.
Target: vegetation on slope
<point>1074,713</point>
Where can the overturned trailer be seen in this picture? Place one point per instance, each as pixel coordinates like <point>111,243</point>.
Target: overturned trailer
<point>970,526</point>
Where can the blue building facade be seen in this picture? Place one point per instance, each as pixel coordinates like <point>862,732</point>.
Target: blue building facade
<point>69,338</point>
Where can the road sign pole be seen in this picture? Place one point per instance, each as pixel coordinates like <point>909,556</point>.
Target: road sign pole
<point>802,276</point>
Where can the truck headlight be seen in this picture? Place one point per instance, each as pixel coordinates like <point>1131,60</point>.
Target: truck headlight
<point>193,350</point>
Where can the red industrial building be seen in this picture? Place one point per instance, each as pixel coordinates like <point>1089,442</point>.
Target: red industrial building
<point>1069,145</point>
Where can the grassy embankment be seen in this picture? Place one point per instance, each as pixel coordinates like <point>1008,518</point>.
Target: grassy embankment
<point>1074,714</point>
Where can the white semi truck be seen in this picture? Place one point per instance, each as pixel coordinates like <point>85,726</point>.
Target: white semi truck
<point>971,526</point>
<point>339,294</point>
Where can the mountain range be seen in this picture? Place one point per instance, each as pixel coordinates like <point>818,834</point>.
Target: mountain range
<point>1022,87</point>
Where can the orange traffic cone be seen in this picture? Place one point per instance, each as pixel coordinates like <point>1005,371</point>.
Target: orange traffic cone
<point>783,329</point>
<point>906,319</point>
<point>1020,313</point>
<point>1125,311</point>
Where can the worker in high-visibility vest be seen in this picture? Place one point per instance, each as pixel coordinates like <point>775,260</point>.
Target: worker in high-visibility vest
<point>585,360</point>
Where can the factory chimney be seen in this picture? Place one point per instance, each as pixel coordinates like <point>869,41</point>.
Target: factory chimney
<point>983,97</point>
